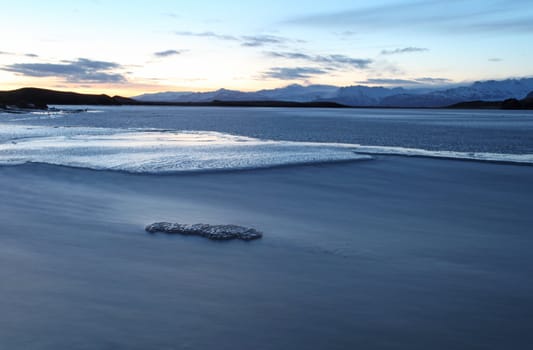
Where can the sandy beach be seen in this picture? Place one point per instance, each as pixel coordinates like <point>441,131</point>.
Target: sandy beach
<point>393,253</point>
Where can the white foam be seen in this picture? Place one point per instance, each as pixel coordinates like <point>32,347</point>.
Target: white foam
<point>53,113</point>
<point>159,151</point>
<point>416,152</point>
<point>155,151</point>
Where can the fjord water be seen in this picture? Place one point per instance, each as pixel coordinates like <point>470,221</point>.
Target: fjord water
<point>166,140</point>
<point>494,131</point>
<point>388,253</point>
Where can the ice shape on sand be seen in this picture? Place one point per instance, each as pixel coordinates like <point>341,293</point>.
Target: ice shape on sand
<point>152,151</point>
<point>214,232</point>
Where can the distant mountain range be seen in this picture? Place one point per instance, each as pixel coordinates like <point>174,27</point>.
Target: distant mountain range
<point>360,95</point>
<point>506,94</point>
<point>21,100</point>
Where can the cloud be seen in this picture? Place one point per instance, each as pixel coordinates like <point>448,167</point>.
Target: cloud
<point>341,60</point>
<point>261,40</point>
<point>346,33</point>
<point>462,17</point>
<point>404,50</point>
<point>293,73</point>
<point>212,35</point>
<point>382,15</point>
<point>429,80</point>
<point>32,55</point>
<point>385,81</point>
<point>82,70</point>
<point>244,40</point>
<point>512,25</point>
<point>171,15</point>
<point>495,59</point>
<point>330,61</point>
<point>167,53</point>
<point>290,55</point>
<point>404,82</point>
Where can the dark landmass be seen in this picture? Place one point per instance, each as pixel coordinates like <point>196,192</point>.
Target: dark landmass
<point>34,98</point>
<point>25,99</point>
<point>213,232</point>
<point>512,103</point>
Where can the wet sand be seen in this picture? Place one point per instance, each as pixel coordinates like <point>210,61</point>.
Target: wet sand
<point>395,253</point>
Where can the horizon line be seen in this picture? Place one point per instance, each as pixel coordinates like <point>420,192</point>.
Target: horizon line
<point>84,90</point>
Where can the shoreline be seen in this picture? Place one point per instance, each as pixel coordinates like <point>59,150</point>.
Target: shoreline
<point>351,253</point>
<point>373,157</point>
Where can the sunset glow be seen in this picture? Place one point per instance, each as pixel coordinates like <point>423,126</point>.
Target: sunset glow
<point>102,46</point>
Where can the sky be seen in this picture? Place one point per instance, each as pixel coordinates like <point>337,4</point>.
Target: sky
<point>132,47</point>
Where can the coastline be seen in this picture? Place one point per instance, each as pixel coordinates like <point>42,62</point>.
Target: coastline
<point>39,99</point>
<point>353,254</point>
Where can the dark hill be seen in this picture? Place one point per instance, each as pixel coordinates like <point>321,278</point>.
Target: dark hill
<point>528,101</point>
<point>41,98</point>
<point>512,103</point>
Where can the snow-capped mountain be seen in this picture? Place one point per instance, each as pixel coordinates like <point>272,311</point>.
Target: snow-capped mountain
<point>360,95</point>
<point>220,95</point>
<point>491,90</point>
<point>364,95</point>
<point>295,92</point>
<point>166,96</point>
<point>299,93</point>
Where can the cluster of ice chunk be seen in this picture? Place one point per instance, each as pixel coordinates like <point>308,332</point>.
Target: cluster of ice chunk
<point>214,232</point>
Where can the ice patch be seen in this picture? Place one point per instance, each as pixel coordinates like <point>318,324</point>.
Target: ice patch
<point>168,151</point>
<point>477,156</point>
<point>157,151</point>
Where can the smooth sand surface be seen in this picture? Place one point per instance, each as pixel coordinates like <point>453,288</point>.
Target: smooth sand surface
<point>395,253</point>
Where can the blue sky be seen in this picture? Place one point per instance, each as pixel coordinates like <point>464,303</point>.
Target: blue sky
<point>130,47</point>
